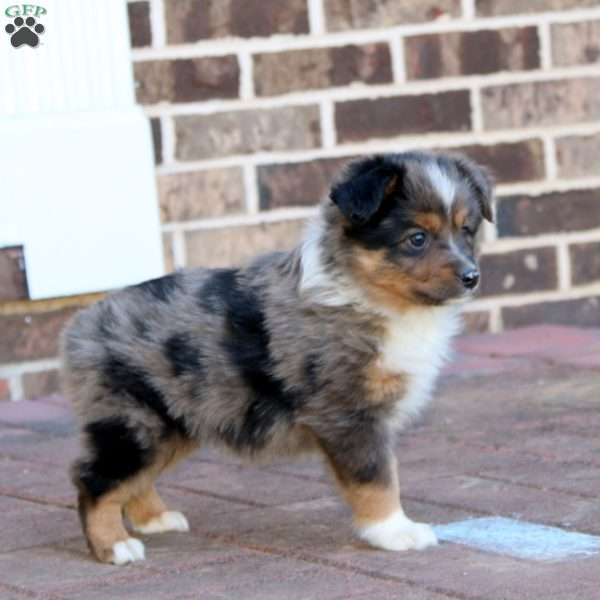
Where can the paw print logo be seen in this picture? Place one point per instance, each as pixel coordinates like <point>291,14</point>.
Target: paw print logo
<point>24,32</point>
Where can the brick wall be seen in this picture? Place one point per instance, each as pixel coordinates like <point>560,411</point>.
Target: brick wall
<point>255,104</point>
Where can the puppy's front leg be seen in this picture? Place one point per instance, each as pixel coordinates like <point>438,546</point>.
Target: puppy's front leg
<point>368,478</point>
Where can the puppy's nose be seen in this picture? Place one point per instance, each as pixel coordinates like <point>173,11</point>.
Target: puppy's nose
<point>470,278</point>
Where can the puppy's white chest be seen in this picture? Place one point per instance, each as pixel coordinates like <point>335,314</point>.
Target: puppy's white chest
<point>416,345</point>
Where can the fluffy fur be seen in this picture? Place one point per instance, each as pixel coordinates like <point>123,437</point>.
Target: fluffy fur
<point>327,348</point>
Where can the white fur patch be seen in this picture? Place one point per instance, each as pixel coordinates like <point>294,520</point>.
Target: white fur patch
<point>129,550</point>
<point>417,343</point>
<point>316,280</point>
<point>398,533</point>
<point>442,183</point>
<point>170,520</point>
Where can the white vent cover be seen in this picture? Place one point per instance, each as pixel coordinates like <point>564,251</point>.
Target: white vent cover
<point>77,185</point>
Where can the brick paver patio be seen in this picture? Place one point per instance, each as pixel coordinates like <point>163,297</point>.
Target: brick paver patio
<point>513,432</point>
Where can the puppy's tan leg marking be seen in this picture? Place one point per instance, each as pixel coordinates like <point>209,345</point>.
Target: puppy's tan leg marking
<point>106,535</point>
<point>149,514</point>
<point>146,510</point>
<point>378,515</point>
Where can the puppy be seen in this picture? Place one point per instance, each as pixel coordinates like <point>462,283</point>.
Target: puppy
<point>330,347</point>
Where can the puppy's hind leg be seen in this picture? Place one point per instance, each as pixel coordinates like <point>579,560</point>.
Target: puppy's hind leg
<point>146,511</point>
<point>107,478</point>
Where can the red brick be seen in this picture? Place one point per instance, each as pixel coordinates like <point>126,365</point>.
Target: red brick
<point>519,272</point>
<point>4,390</point>
<point>139,23</point>
<point>192,20</point>
<point>32,336</point>
<point>341,15</point>
<point>156,140</point>
<point>576,43</point>
<point>541,103</point>
<point>247,131</point>
<point>13,280</point>
<point>577,155</point>
<point>575,210</point>
<point>359,120</point>
<point>583,312</point>
<point>472,52</point>
<point>585,263</point>
<point>200,194</point>
<point>235,245</point>
<point>490,8</point>
<point>40,384</point>
<point>297,184</point>
<point>511,161</point>
<point>186,80</point>
<point>317,68</point>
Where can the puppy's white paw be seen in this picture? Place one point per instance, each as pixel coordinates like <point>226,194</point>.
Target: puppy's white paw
<point>129,550</point>
<point>398,533</point>
<point>170,520</point>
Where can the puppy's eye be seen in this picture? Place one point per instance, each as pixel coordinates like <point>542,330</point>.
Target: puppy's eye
<point>418,240</point>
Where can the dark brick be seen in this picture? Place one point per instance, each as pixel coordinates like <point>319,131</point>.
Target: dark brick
<point>200,194</point>
<point>511,161</point>
<point>540,103</point>
<point>575,210</point>
<point>577,155</point>
<point>472,52</point>
<point>13,280</point>
<point>31,336</point>
<point>576,43</point>
<point>316,68</point>
<point>139,24</point>
<point>247,131</point>
<point>585,263</point>
<point>156,140</point>
<point>582,312</point>
<point>186,80</point>
<point>476,322</point>
<point>357,14</point>
<point>490,8</point>
<point>519,272</point>
<point>359,120</point>
<point>297,184</point>
<point>192,20</point>
<point>40,384</point>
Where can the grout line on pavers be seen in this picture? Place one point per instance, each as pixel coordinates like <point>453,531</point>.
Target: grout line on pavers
<point>234,500</point>
<point>532,486</point>
<point>320,561</point>
<point>37,500</point>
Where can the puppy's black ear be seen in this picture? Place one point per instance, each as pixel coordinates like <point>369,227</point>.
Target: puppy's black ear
<point>361,193</point>
<point>481,182</point>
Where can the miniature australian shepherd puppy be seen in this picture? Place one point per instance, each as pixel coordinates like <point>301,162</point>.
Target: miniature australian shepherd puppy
<point>329,347</point>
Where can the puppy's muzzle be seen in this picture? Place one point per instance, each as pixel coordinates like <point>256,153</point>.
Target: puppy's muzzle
<point>470,278</point>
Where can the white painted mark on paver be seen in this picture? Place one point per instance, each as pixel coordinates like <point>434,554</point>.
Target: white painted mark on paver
<point>519,538</point>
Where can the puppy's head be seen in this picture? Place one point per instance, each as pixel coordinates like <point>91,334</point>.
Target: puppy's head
<point>409,226</point>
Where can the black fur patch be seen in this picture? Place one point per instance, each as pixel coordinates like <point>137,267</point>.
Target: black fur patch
<point>161,288</point>
<point>359,451</point>
<point>117,455</point>
<point>122,378</point>
<point>183,355</point>
<point>217,287</point>
<point>246,341</point>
